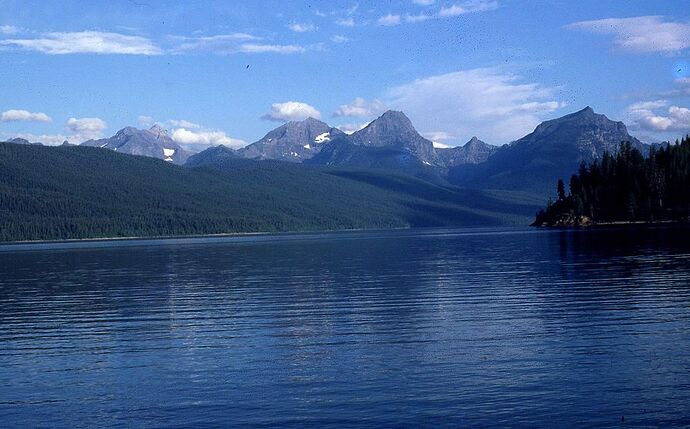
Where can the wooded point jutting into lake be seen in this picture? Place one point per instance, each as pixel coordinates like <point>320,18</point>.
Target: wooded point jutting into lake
<point>626,187</point>
<point>344,214</point>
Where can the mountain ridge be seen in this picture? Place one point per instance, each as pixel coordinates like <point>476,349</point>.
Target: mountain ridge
<point>294,141</point>
<point>554,150</point>
<point>154,142</point>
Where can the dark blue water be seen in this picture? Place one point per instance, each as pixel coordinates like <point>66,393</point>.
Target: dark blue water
<point>479,328</point>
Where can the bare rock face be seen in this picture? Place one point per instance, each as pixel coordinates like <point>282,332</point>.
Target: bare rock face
<point>154,142</point>
<point>554,150</point>
<point>590,133</point>
<point>474,151</point>
<point>390,141</point>
<point>295,141</point>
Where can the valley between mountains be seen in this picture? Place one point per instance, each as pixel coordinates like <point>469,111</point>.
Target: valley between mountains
<point>303,175</point>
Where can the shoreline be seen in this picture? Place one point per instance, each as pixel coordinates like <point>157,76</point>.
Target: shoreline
<point>614,223</point>
<point>93,242</point>
<point>7,245</point>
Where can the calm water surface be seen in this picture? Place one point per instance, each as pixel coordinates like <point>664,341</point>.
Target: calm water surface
<point>417,328</point>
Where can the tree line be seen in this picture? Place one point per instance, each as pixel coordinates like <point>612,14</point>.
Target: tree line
<point>626,187</point>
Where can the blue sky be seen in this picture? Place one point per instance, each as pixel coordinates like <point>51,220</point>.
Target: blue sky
<point>227,72</point>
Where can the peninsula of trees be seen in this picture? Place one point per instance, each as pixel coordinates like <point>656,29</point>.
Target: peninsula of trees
<point>626,187</point>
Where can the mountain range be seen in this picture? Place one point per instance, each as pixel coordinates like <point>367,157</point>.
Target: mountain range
<point>154,142</point>
<point>555,149</point>
<point>295,141</point>
<point>295,165</point>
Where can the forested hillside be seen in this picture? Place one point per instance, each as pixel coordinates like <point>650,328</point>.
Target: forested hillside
<point>626,187</point>
<point>78,192</point>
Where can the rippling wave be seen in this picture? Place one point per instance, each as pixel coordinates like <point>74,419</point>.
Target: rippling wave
<point>478,327</point>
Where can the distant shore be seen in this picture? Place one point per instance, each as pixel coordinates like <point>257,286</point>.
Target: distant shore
<point>171,239</point>
<point>593,224</point>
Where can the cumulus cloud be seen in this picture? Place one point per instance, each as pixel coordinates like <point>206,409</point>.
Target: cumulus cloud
<point>181,123</point>
<point>495,105</point>
<point>185,136</point>
<point>642,34</point>
<point>658,116</point>
<point>86,128</point>
<point>14,115</point>
<point>86,42</point>
<point>339,39</point>
<point>291,111</point>
<point>193,135</point>
<point>302,28</point>
<point>359,107</point>
<point>82,129</point>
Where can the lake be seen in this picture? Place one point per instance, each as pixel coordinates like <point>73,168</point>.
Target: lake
<point>480,327</point>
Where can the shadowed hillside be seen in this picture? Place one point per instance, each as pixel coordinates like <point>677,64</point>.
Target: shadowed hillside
<point>78,192</point>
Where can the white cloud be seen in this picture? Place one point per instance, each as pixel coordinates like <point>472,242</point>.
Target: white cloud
<point>8,29</point>
<point>14,115</point>
<point>439,136</point>
<point>227,44</point>
<point>359,107</point>
<point>424,2</point>
<point>351,128</point>
<point>468,7</point>
<point>205,137</point>
<point>647,105</point>
<point>302,28</point>
<point>641,34</point>
<point>457,9</point>
<point>181,123</point>
<point>253,48</point>
<point>339,39</point>
<point>291,111</point>
<point>345,22</point>
<point>86,128</point>
<point>389,20</point>
<point>418,18</point>
<point>649,116</point>
<point>145,121</point>
<point>219,44</point>
<point>86,42</point>
<point>46,139</point>
<point>82,129</point>
<point>493,104</point>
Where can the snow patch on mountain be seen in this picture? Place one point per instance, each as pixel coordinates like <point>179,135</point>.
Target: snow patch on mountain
<point>323,138</point>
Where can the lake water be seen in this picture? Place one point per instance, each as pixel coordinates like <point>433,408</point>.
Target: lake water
<point>415,328</point>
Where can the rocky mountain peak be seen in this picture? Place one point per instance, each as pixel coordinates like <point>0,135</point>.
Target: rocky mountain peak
<point>158,130</point>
